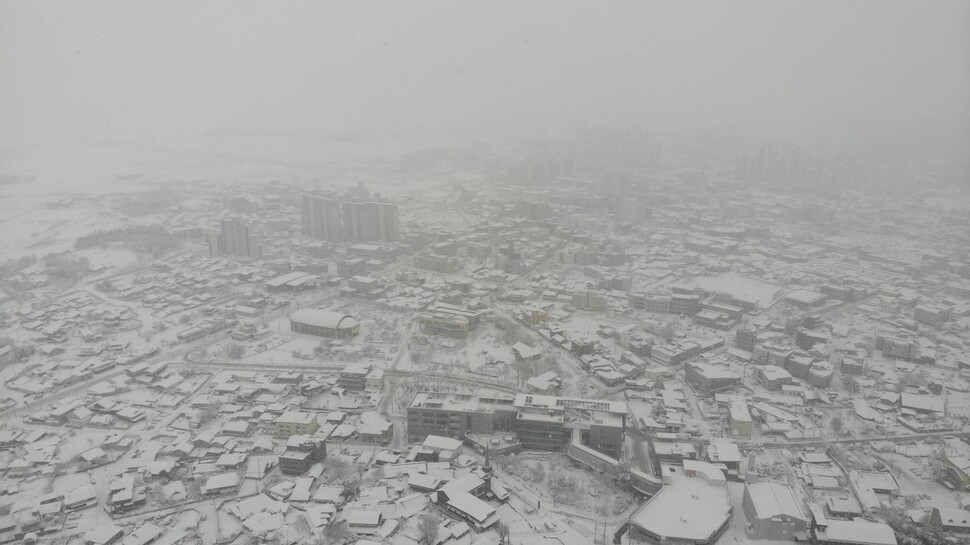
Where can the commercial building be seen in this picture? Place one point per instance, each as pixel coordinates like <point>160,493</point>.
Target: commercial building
<point>773,377</point>
<point>590,301</point>
<point>349,268</point>
<point>324,323</point>
<point>739,417</point>
<point>693,507</point>
<point>437,263</point>
<point>650,302</point>
<point>714,319</point>
<point>678,303</point>
<point>846,294</point>
<point>807,338</point>
<point>745,339</point>
<point>805,299</point>
<point>682,303</point>
<point>852,365</point>
<point>726,455</point>
<point>708,379</point>
<point>675,352</point>
<point>296,280</point>
<point>773,512</point>
<point>770,353</point>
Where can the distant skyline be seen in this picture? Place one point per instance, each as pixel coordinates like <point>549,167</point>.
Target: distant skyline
<point>100,71</point>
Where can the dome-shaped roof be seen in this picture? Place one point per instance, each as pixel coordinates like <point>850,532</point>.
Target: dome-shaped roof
<point>324,318</point>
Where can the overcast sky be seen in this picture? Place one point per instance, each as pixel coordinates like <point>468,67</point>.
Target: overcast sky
<point>167,69</point>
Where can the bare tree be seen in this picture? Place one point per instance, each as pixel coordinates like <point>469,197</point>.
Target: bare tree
<point>209,413</point>
<point>837,424</point>
<point>351,486</point>
<point>333,534</point>
<point>428,529</point>
<point>235,351</point>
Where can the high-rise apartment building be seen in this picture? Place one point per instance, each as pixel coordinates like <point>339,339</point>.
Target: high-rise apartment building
<point>236,238</point>
<point>321,217</point>
<point>328,218</point>
<point>370,221</point>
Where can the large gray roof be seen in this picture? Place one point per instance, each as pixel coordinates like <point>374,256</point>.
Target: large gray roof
<point>323,318</point>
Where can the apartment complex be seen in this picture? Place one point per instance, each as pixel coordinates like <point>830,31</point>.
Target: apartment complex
<point>236,238</point>
<point>321,217</point>
<point>329,218</point>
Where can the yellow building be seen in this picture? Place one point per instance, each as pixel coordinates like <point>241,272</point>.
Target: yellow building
<point>296,423</point>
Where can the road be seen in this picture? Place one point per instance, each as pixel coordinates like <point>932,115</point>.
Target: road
<point>172,355</point>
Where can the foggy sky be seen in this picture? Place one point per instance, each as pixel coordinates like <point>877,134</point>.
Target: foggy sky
<point>97,70</point>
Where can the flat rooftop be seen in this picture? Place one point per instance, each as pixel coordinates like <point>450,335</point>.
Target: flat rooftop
<point>740,287</point>
<point>536,401</point>
<point>687,508</point>
<point>804,296</point>
<point>459,402</point>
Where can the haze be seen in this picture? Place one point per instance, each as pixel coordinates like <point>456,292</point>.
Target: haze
<point>485,273</point>
<point>102,71</point>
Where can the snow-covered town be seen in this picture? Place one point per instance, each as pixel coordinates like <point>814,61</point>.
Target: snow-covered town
<point>613,333</point>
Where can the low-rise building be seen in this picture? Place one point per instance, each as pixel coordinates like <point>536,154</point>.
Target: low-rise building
<point>951,520</point>
<point>324,323</point>
<point>437,263</point>
<point>449,321</point>
<point>805,299</point>
<point>957,471</point>
<point>354,376</point>
<point>851,532</point>
<point>302,451</point>
<point>461,498</point>
<point>773,377</point>
<point>104,535</point>
<point>932,315</point>
<point>702,513</point>
<point>296,423</point>
<point>708,379</point>
<point>739,417</point>
<point>773,512</point>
